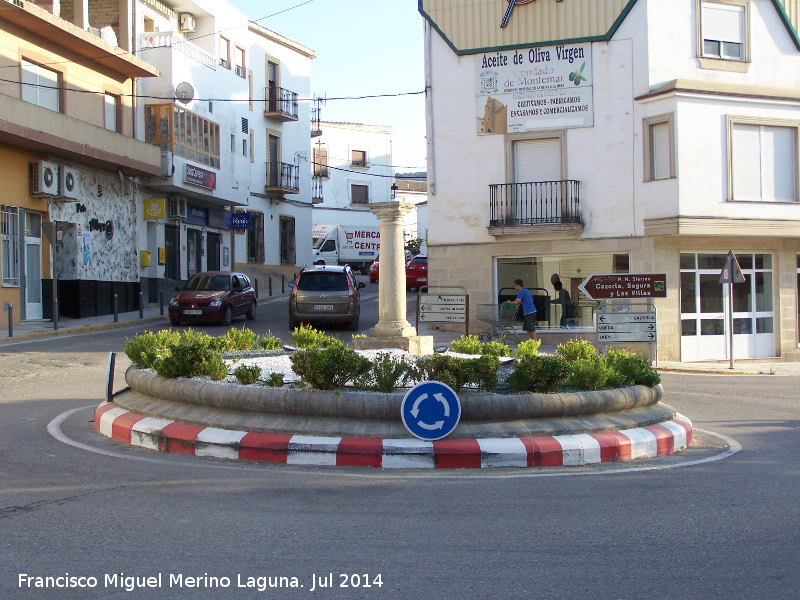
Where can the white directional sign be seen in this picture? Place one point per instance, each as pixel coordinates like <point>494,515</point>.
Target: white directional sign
<point>622,327</point>
<point>440,308</point>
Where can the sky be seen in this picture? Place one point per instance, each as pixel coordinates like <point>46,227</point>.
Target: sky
<point>363,47</point>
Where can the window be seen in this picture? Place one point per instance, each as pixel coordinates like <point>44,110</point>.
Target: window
<point>112,111</point>
<point>762,163</point>
<point>233,143</point>
<point>224,52</point>
<point>723,30</point>
<point>658,148</point>
<point>359,158</point>
<point>9,244</point>
<point>244,147</point>
<point>188,135</point>
<point>255,238</point>
<point>537,160</point>
<point>359,193</point>
<point>238,59</point>
<point>41,86</point>
<point>320,162</point>
<point>149,25</point>
<point>287,241</point>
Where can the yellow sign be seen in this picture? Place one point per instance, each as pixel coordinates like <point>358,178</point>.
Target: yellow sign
<point>155,208</point>
<point>162,256</point>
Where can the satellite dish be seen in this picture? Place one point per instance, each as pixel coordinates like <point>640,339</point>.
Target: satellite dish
<point>184,93</point>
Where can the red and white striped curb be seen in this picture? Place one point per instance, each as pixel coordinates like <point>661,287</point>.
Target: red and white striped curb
<point>560,450</point>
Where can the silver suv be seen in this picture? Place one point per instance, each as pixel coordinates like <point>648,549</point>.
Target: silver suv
<point>325,294</point>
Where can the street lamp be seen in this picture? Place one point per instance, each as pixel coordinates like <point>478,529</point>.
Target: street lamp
<point>394,190</point>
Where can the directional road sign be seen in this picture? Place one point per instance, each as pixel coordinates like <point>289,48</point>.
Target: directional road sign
<point>441,308</point>
<point>622,327</point>
<point>633,286</point>
<point>430,410</point>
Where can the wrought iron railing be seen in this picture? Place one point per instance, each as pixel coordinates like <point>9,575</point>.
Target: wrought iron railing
<point>534,203</point>
<point>283,176</point>
<point>281,102</point>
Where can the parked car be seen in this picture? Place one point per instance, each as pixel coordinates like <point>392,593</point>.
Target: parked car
<point>374,269</point>
<point>325,294</point>
<point>213,296</point>
<point>417,272</point>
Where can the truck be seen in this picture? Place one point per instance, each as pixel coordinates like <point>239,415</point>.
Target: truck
<point>354,245</point>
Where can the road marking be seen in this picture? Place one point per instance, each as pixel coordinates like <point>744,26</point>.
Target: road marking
<point>54,429</point>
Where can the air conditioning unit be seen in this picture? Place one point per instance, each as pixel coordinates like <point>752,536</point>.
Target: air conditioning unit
<point>177,207</point>
<point>68,183</point>
<point>44,178</point>
<point>186,22</point>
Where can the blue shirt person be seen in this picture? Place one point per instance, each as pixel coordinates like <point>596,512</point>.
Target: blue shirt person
<point>525,299</point>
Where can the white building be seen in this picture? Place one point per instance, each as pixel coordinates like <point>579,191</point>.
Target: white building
<point>653,137</point>
<point>228,114</point>
<point>352,168</point>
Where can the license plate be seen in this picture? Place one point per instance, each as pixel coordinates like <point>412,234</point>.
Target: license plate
<point>323,307</point>
<point>193,312</point>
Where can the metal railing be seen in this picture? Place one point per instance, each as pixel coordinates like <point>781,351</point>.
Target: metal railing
<point>534,203</point>
<point>281,101</point>
<point>283,176</point>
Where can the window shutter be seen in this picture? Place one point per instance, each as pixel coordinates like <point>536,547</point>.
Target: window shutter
<point>659,139</point>
<point>777,159</point>
<point>30,81</point>
<point>724,23</point>
<point>746,162</point>
<point>111,112</point>
<point>537,160</point>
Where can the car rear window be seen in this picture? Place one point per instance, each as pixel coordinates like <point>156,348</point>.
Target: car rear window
<point>322,282</point>
<point>419,260</point>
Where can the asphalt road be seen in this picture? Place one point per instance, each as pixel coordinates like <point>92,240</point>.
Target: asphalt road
<point>72,502</point>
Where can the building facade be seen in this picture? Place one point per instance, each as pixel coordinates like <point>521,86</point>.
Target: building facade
<point>585,137</point>
<point>68,159</point>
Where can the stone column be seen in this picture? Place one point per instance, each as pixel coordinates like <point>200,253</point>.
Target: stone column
<point>393,329</point>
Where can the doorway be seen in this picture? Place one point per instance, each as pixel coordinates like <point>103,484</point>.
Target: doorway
<point>33,266</point>
<point>193,252</point>
<point>705,307</point>
<point>214,243</point>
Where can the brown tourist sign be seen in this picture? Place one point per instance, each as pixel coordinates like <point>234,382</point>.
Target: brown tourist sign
<point>625,286</point>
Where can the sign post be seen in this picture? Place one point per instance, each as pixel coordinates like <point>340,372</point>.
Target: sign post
<point>731,273</point>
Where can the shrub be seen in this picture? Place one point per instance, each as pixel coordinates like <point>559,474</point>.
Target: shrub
<point>458,372</point>
<point>538,373</point>
<point>247,374</point>
<point>590,373</point>
<point>329,367</point>
<point>495,348</point>
<point>240,339</point>
<point>528,348</point>
<point>147,349</point>
<point>191,357</point>
<point>483,371</point>
<point>275,380</point>
<point>467,344</point>
<point>575,349</point>
<point>385,374</point>
<point>216,368</point>
<point>306,336</point>
<point>270,342</point>
<point>633,369</point>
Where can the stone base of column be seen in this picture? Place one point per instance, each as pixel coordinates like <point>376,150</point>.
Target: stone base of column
<point>418,345</point>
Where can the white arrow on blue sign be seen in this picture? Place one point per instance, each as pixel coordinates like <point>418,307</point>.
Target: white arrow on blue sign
<point>430,410</point>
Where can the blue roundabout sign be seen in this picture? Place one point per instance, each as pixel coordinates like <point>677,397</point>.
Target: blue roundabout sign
<point>430,410</point>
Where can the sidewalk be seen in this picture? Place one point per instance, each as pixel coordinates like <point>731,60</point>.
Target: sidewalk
<point>66,325</point>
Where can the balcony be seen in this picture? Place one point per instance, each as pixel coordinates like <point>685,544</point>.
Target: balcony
<point>282,178</point>
<point>281,104</point>
<point>535,203</point>
<point>168,39</point>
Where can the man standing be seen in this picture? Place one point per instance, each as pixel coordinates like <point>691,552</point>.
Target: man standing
<point>525,300</point>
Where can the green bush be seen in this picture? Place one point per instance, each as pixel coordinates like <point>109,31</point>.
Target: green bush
<point>591,373</point>
<point>329,367</point>
<point>241,339</point>
<point>575,349</point>
<point>458,372</point>
<point>385,374</point>
<point>247,374</point>
<point>270,342</point>
<point>275,380</point>
<point>216,368</point>
<point>306,336</point>
<point>538,373</point>
<point>495,349</point>
<point>483,371</point>
<point>633,368</point>
<point>191,357</point>
<point>147,349</point>
<point>528,348</point>
<point>467,344</point>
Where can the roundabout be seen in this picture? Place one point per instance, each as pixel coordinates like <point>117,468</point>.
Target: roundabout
<point>362,428</point>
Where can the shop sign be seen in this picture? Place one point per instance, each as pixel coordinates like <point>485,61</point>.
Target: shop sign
<point>219,218</point>
<point>629,285</point>
<point>534,88</point>
<point>202,177</point>
<point>241,221</point>
<point>196,215</point>
<point>155,208</point>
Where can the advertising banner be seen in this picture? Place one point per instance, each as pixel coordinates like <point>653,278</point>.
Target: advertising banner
<point>534,88</point>
<point>155,208</point>
<point>201,177</point>
<point>240,221</point>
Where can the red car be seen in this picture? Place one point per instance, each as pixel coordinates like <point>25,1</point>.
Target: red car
<point>374,270</point>
<point>215,296</point>
<point>417,272</point>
